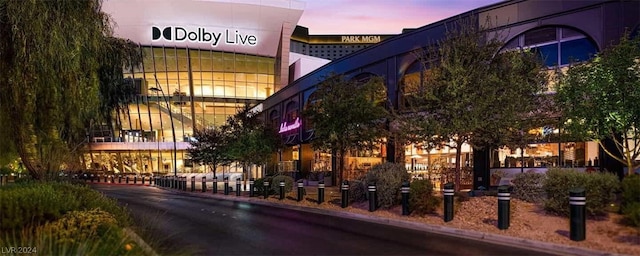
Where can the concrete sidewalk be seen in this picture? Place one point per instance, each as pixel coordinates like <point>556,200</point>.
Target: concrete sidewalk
<point>333,193</point>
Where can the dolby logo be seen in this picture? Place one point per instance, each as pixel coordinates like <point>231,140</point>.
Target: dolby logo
<point>165,33</point>
<point>202,35</point>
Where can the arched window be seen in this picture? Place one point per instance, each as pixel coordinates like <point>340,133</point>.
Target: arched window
<point>291,112</point>
<point>557,46</point>
<point>274,119</point>
<point>411,84</point>
<point>312,99</point>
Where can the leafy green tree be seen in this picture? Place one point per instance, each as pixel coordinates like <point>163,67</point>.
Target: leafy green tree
<point>116,91</point>
<point>209,147</point>
<point>348,115</point>
<point>474,93</point>
<point>250,140</point>
<point>50,55</point>
<point>600,100</point>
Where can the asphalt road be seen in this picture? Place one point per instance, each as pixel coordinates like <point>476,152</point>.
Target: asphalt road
<point>184,225</point>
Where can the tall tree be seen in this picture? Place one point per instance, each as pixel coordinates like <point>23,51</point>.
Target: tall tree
<point>50,53</point>
<point>210,147</point>
<point>348,115</point>
<point>116,91</point>
<point>473,93</point>
<point>251,141</point>
<point>600,100</point>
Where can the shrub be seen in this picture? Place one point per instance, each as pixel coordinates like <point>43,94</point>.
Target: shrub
<point>421,198</point>
<point>275,183</point>
<point>92,232</point>
<point>528,187</point>
<point>259,185</point>
<point>631,199</point>
<point>388,178</point>
<point>599,189</point>
<point>79,226</point>
<point>32,204</point>
<point>632,214</point>
<point>358,190</point>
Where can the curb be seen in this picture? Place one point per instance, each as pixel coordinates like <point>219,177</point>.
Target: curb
<point>541,246</point>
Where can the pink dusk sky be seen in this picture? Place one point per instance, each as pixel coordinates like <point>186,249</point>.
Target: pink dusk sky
<point>380,16</point>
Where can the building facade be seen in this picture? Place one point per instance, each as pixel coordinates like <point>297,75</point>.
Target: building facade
<point>561,31</point>
<point>331,47</point>
<point>202,60</point>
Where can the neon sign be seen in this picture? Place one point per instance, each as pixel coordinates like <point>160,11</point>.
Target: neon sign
<point>284,127</point>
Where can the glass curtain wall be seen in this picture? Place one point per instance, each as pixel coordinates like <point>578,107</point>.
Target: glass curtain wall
<point>189,88</point>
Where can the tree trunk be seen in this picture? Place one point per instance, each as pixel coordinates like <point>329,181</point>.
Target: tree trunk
<point>457,170</point>
<point>334,166</point>
<point>341,167</point>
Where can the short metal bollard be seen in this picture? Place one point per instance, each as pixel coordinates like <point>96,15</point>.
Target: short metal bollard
<point>91,177</point>
<point>265,184</point>
<point>204,184</point>
<point>127,179</point>
<point>281,190</point>
<point>238,184</point>
<point>320,192</point>
<point>143,178</point>
<point>578,212</point>
<point>184,183</point>
<point>215,185</point>
<point>119,178</point>
<point>504,200</point>
<point>251,187</point>
<point>405,197</point>
<point>345,194</point>
<point>448,201</point>
<point>226,185</point>
<point>112,179</point>
<point>105,178</point>
<point>193,183</point>
<point>300,191</point>
<point>135,179</point>
<point>372,197</point>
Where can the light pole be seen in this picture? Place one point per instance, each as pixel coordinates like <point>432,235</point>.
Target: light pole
<point>173,130</point>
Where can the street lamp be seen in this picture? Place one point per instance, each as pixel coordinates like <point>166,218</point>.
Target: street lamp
<point>173,130</point>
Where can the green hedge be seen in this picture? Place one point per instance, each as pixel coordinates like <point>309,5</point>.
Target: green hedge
<point>421,198</point>
<point>599,188</point>
<point>631,199</point>
<point>388,178</point>
<point>63,219</point>
<point>33,204</point>
<point>528,187</point>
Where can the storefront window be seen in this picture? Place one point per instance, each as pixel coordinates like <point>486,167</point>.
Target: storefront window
<point>567,155</point>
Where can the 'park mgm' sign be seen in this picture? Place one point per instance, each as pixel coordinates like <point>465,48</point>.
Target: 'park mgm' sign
<point>202,35</point>
<point>360,39</point>
<point>285,127</point>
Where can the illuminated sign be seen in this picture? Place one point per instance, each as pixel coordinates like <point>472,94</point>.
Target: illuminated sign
<point>284,127</point>
<point>361,39</point>
<point>202,35</point>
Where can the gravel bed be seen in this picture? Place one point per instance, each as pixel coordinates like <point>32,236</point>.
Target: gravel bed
<point>528,221</point>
